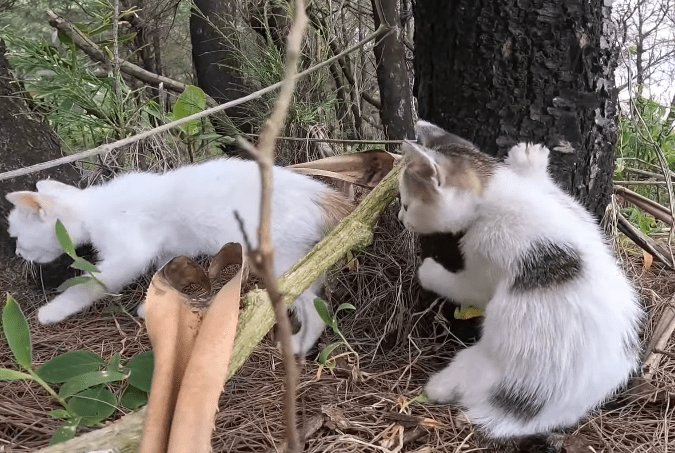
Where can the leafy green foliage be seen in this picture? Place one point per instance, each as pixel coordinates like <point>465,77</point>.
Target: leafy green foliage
<point>643,135</point>
<point>85,393</point>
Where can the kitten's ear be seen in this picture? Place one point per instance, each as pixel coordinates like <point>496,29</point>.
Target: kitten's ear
<point>52,186</point>
<point>430,135</point>
<point>421,163</point>
<point>30,202</point>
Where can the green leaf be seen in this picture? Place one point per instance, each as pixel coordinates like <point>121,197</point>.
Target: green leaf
<point>68,365</point>
<point>345,306</point>
<point>60,414</point>
<point>74,281</point>
<point>140,370</point>
<point>323,312</point>
<point>64,239</point>
<point>323,357</point>
<point>86,380</point>
<point>16,332</point>
<point>93,405</point>
<point>65,432</point>
<point>11,375</point>
<point>191,101</point>
<point>84,265</point>
<point>134,398</point>
<point>114,363</point>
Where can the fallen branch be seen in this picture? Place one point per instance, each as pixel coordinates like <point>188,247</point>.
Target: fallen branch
<point>108,147</point>
<point>662,333</point>
<point>646,243</point>
<point>649,206</point>
<point>355,232</point>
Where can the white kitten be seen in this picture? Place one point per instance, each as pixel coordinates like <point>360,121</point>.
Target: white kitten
<point>142,219</point>
<point>560,333</point>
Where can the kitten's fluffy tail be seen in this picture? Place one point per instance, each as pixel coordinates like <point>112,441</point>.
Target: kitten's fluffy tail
<point>334,207</point>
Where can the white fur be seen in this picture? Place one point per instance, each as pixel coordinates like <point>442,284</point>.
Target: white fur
<point>564,343</point>
<point>141,219</point>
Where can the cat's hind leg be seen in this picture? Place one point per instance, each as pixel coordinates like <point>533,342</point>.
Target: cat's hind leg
<point>471,372</point>
<point>311,324</point>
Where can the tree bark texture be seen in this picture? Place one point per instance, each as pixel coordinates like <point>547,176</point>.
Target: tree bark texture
<point>24,141</point>
<point>499,73</point>
<point>214,39</point>
<point>392,73</point>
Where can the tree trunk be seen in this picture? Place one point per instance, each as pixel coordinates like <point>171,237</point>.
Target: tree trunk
<point>24,141</point>
<point>392,74</point>
<point>214,41</point>
<point>499,73</point>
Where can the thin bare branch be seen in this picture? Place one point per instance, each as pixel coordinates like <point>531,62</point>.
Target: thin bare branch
<point>263,257</point>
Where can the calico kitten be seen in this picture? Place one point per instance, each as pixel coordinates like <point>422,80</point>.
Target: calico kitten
<point>561,325</point>
<point>142,219</point>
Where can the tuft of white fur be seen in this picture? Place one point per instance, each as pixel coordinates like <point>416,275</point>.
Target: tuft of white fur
<point>565,348</point>
<point>140,220</point>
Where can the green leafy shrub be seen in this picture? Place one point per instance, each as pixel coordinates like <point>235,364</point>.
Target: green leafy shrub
<point>83,378</point>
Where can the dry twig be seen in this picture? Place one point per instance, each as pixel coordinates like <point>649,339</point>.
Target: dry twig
<point>263,257</point>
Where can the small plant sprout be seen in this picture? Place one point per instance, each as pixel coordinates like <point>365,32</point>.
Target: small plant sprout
<point>84,378</point>
<point>79,263</point>
<point>326,359</point>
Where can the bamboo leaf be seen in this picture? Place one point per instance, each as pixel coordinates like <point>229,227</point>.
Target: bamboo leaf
<point>84,265</point>
<point>140,370</point>
<point>12,375</point>
<point>93,405</point>
<point>66,431</point>
<point>323,357</point>
<point>69,365</point>
<point>64,239</point>
<point>87,380</point>
<point>16,332</point>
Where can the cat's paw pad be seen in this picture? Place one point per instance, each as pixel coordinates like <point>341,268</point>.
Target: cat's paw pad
<point>51,314</point>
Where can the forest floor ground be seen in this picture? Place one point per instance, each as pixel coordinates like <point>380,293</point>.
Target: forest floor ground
<point>400,339</point>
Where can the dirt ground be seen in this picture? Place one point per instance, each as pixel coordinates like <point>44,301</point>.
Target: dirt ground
<point>401,335</point>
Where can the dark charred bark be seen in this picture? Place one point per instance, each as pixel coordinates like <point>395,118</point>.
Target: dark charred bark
<point>25,141</point>
<point>499,73</point>
<point>214,40</point>
<point>392,74</point>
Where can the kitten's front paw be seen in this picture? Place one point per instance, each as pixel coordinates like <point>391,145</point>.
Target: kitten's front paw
<point>528,158</point>
<point>443,388</point>
<point>52,313</point>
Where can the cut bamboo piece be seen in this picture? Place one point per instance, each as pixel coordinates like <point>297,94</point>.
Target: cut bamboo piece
<point>204,378</point>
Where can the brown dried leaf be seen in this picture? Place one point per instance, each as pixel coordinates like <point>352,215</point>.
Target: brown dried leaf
<point>648,260</point>
<point>364,169</point>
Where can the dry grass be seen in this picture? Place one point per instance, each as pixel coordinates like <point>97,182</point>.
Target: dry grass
<point>400,341</point>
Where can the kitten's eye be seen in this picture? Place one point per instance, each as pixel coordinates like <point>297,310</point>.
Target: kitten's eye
<point>405,207</point>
